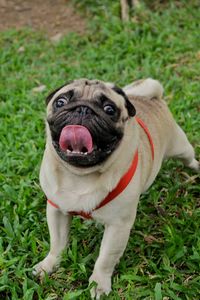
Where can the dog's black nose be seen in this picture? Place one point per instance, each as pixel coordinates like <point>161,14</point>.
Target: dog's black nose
<point>83,110</point>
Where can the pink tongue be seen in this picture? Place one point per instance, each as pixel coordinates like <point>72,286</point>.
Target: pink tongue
<point>76,138</point>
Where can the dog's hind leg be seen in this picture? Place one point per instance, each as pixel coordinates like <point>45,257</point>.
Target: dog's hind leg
<point>181,148</point>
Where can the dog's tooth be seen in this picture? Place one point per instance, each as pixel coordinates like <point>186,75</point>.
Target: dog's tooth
<point>76,152</point>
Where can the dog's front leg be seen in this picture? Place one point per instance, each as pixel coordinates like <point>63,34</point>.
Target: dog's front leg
<point>58,225</point>
<point>114,242</point>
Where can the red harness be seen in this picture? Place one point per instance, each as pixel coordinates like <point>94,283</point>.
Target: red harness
<point>122,184</point>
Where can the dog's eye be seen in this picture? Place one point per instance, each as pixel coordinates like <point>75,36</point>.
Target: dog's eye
<point>109,110</point>
<point>60,102</point>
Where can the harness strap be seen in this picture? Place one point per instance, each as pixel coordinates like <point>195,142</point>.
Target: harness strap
<point>52,203</point>
<point>122,184</point>
<point>146,130</point>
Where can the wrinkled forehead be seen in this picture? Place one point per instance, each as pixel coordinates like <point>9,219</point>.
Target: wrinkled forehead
<point>85,89</point>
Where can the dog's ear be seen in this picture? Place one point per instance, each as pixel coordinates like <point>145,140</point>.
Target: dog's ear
<point>130,107</point>
<point>48,98</point>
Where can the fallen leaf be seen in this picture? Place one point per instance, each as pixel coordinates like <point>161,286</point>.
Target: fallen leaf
<point>39,89</point>
<point>56,38</point>
<point>21,49</point>
<point>150,239</point>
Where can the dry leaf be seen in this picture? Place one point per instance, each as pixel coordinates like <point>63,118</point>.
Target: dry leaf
<point>39,89</point>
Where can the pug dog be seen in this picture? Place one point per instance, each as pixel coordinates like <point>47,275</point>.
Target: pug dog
<point>104,148</point>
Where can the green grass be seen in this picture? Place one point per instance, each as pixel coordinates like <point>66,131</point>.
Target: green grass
<point>162,259</point>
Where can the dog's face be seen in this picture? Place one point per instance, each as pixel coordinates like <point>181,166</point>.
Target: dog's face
<point>86,120</point>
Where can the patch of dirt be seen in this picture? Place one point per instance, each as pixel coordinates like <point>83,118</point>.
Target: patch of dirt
<point>55,17</point>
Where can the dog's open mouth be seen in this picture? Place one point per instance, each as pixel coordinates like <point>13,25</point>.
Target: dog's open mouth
<point>77,146</point>
<point>76,140</point>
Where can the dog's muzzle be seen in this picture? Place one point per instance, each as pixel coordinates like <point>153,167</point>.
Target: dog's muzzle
<point>82,137</point>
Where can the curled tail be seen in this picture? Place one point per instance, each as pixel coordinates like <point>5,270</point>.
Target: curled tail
<point>146,87</point>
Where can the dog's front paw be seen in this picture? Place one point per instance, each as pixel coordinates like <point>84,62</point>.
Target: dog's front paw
<point>47,265</point>
<point>103,284</point>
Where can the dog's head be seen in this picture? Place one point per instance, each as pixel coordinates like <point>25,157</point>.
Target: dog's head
<point>86,119</point>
